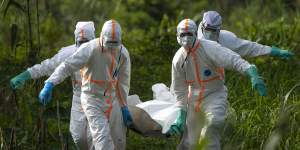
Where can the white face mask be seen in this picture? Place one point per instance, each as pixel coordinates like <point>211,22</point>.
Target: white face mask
<point>187,41</point>
<point>210,35</point>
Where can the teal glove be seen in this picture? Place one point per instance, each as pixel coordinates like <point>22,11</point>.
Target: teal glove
<point>256,80</point>
<point>19,80</point>
<point>277,52</point>
<point>177,127</point>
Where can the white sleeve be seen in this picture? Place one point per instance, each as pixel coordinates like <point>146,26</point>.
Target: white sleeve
<point>178,85</point>
<point>243,47</point>
<point>224,57</point>
<point>123,85</point>
<point>46,67</point>
<point>71,64</point>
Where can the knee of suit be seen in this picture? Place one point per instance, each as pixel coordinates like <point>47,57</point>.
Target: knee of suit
<point>78,138</point>
<point>216,122</point>
<point>101,138</point>
<point>79,133</point>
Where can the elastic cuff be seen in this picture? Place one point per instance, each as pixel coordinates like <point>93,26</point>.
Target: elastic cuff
<point>252,71</point>
<point>181,106</point>
<point>275,51</point>
<point>26,74</point>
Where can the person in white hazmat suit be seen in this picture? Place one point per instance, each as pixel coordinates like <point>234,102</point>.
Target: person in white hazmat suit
<point>84,32</point>
<point>199,87</point>
<point>210,29</point>
<point>104,64</point>
<point>162,110</point>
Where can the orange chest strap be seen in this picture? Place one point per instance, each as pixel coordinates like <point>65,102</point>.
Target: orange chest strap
<point>201,82</point>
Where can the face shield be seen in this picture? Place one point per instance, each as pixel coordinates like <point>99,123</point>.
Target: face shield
<point>111,44</point>
<point>211,34</point>
<point>187,40</point>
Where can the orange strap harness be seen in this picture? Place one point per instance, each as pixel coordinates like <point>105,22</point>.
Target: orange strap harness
<point>201,82</point>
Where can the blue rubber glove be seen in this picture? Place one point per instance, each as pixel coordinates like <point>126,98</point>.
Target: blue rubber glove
<point>277,52</point>
<point>46,93</point>
<point>126,116</point>
<point>18,81</point>
<point>256,81</point>
<point>177,127</point>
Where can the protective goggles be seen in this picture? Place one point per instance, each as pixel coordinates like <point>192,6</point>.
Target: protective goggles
<point>185,34</point>
<point>210,28</point>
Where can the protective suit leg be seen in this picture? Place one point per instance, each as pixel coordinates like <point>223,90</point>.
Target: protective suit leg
<point>215,108</point>
<point>98,123</point>
<point>194,123</point>
<point>205,124</point>
<point>117,126</point>
<point>79,126</point>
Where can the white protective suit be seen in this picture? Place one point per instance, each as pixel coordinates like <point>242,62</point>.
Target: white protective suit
<point>243,47</point>
<point>78,122</point>
<point>161,108</point>
<point>198,85</point>
<point>105,86</point>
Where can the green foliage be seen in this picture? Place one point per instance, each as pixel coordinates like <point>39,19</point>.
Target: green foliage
<point>149,33</point>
